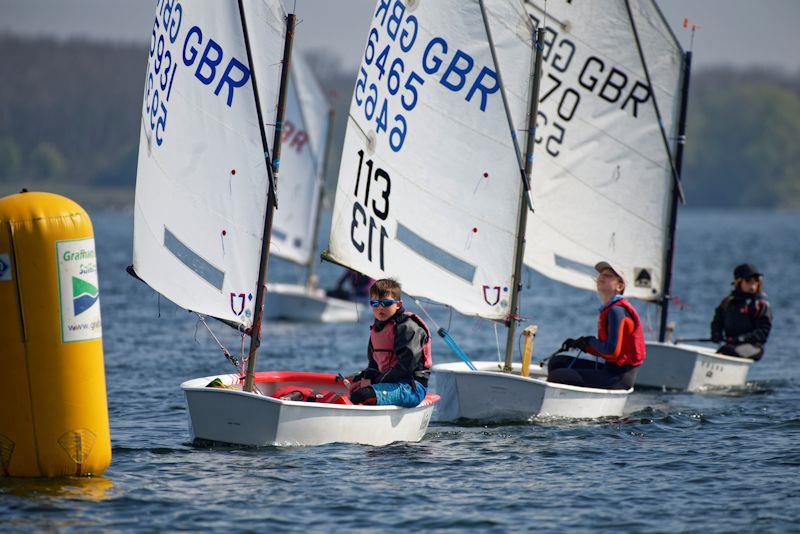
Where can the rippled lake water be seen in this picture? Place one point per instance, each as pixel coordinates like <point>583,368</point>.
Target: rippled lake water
<point>722,461</point>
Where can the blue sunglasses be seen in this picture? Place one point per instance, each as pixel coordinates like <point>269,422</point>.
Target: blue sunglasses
<point>383,303</point>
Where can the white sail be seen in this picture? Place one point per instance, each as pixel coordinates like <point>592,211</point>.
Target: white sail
<point>602,177</point>
<point>202,183</point>
<point>429,186</point>
<point>305,129</point>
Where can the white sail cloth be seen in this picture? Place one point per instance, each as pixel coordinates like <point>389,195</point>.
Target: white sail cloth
<point>303,148</point>
<point>202,182</point>
<point>602,176</point>
<point>429,186</point>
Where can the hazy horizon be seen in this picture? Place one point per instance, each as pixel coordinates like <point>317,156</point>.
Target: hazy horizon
<point>735,33</point>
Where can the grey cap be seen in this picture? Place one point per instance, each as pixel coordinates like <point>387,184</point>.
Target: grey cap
<point>601,266</point>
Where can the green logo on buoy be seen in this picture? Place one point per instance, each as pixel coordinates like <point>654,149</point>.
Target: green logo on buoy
<point>84,295</point>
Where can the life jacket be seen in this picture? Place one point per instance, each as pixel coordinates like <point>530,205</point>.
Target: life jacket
<point>741,312</point>
<point>299,393</point>
<point>382,342</point>
<point>633,349</point>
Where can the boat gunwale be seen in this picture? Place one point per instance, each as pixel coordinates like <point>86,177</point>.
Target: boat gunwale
<point>702,351</point>
<point>429,401</point>
<point>554,385</point>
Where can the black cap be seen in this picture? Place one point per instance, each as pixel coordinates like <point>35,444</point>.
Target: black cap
<point>746,270</point>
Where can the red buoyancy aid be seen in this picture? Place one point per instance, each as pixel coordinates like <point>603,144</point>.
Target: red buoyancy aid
<point>633,349</point>
<point>383,343</point>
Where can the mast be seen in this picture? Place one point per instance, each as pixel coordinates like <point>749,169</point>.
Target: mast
<point>312,262</point>
<point>272,170</point>
<point>522,222</point>
<point>673,215</point>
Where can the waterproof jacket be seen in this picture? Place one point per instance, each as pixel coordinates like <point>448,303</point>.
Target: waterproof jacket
<point>407,359</point>
<point>742,318</point>
<point>620,337</point>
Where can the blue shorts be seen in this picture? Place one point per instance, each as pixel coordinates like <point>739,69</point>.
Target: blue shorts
<point>399,394</point>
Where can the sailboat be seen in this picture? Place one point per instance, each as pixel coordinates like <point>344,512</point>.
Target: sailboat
<point>680,365</point>
<point>602,178</point>
<point>307,133</point>
<point>216,86</point>
<point>433,187</point>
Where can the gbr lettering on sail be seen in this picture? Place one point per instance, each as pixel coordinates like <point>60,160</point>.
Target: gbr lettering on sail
<point>398,63</point>
<point>176,44</point>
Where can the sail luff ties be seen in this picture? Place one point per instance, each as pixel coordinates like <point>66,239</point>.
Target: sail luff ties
<point>675,174</point>
<point>525,182</point>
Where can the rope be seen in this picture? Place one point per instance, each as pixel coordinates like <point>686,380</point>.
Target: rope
<point>227,354</point>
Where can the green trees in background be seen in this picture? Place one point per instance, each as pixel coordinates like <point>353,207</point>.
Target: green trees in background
<point>742,144</point>
<point>10,159</point>
<point>70,111</point>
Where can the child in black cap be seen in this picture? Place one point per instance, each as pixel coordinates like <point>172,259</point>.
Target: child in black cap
<point>743,319</point>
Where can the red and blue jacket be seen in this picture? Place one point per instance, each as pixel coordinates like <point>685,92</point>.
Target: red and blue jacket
<point>620,337</point>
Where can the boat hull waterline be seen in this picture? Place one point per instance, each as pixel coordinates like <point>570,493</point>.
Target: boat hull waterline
<point>298,303</point>
<point>241,418</point>
<point>489,394</point>
<point>690,368</point>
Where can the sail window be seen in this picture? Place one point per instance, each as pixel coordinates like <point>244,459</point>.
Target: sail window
<point>434,254</point>
<point>193,261</point>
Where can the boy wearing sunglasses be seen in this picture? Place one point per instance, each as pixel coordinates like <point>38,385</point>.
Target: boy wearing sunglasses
<point>743,319</point>
<point>399,353</point>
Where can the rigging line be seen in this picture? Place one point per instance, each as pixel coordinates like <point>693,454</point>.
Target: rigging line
<point>675,176</point>
<point>224,350</point>
<point>517,150</point>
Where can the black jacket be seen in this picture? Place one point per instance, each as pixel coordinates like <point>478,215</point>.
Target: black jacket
<point>742,318</point>
<point>409,340</point>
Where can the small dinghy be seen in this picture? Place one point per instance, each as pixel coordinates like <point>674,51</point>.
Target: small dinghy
<point>490,394</point>
<point>228,414</point>
<point>690,368</point>
<point>299,303</point>
<point>205,201</point>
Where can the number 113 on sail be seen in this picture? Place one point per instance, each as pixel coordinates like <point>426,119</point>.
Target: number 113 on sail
<point>365,228</point>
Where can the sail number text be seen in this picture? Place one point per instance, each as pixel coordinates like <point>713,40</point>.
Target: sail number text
<point>595,78</point>
<point>391,78</point>
<point>367,233</point>
<point>161,66</point>
<point>222,72</point>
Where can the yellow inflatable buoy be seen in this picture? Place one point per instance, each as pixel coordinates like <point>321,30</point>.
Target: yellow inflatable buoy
<point>53,409</point>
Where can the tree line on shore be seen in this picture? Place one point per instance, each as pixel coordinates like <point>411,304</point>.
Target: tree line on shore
<point>70,111</point>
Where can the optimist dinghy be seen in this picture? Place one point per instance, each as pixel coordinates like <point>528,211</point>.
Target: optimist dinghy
<point>205,200</point>
<point>232,415</point>
<point>434,186</point>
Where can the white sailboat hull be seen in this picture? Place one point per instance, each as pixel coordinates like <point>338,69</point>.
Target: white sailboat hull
<point>487,394</point>
<point>690,368</point>
<point>294,302</point>
<point>241,418</point>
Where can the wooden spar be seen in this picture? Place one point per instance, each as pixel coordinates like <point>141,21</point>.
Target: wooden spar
<point>522,222</point>
<point>312,263</point>
<point>273,165</point>
<point>673,215</point>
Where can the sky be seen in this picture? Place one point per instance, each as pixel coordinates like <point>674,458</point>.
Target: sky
<point>738,33</point>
